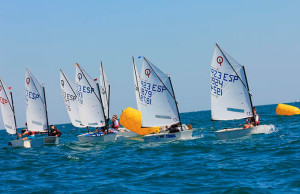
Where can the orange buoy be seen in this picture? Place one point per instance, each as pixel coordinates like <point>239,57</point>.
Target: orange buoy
<point>132,119</point>
<point>284,109</point>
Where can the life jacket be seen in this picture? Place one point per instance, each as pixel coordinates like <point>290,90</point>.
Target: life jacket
<point>115,126</point>
<point>258,119</point>
<point>31,133</point>
<point>253,119</point>
<point>58,133</point>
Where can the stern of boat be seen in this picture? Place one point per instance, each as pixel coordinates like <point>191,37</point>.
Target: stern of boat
<point>51,140</point>
<point>32,143</point>
<point>184,133</point>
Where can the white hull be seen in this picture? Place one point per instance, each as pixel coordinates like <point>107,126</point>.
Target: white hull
<point>34,143</point>
<point>125,133</point>
<point>96,137</point>
<point>238,132</point>
<point>165,136</point>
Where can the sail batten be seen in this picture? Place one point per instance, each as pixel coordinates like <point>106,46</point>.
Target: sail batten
<point>230,95</point>
<point>156,100</point>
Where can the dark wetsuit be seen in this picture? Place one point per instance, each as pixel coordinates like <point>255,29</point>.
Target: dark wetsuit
<point>173,129</point>
<point>55,132</point>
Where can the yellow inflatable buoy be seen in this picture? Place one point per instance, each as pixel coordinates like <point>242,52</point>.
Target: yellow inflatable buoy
<point>284,109</point>
<point>132,119</point>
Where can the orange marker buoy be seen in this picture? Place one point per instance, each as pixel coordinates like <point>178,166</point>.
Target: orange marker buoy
<point>132,119</point>
<point>284,109</point>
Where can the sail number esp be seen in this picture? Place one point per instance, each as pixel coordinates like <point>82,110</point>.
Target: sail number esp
<point>83,89</point>
<point>31,95</point>
<point>218,79</point>
<point>68,98</point>
<point>147,90</point>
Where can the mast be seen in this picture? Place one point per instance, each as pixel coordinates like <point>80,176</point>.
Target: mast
<point>136,80</point>
<point>13,109</point>
<point>107,93</point>
<point>46,111</point>
<point>102,70</point>
<point>108,102</point>
<point>102,105</point>
<point>175,102</point>
<point>249,92</point>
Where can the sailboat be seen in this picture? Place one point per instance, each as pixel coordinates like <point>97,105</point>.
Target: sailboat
<point>230,94</point>
<point>36,114</point>
<point>91,109</point>
<point>7,109</point>
<point>157,103</point>
<point>105,97</point>
<point>68,89</point>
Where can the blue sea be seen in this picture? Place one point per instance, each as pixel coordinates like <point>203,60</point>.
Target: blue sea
<point>268,162</point>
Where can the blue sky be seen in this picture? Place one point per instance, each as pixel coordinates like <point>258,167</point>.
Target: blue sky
<point>177,36</point>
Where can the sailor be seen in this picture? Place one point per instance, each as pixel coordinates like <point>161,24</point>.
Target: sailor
<point>102,129</point>
<point>30,134</point>
<point>174,128</point>
<point>114,122</point>
<point>54,131</point>
<point>254,121</point>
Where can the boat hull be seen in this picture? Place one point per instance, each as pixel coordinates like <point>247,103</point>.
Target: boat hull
<point>96,137</point>
<point>237,132</point>
<point>51,140</point>
<point>165,137</point>
<point>125,133</point>
<point>34,143</point>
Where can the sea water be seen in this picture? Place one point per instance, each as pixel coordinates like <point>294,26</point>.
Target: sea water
<point>267,161</point>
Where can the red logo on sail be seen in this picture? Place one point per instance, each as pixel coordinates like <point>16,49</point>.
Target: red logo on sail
<point>3,100</point>
<point>147,72</point>
<point>220,60</point>
<point>27,81</point>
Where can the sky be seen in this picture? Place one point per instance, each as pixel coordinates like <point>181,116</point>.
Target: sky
<point>177,36</point>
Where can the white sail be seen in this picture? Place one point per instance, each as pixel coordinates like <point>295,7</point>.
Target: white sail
<point>105,91</point>
<point>157,99</point>
<point>89,100</point>
<point>230,98</point>
<point>68,89</point>
<point>36,113</point>
<point>7,109</point>
<point>136,78</point>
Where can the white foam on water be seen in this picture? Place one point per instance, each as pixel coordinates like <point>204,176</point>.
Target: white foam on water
<point>193,137</point>
<point>73,158</point>
<point>266,129</point>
